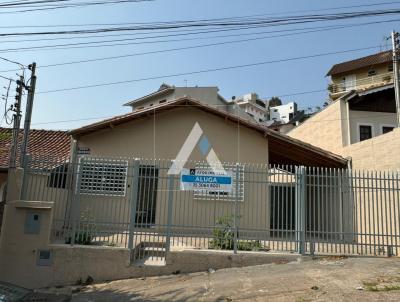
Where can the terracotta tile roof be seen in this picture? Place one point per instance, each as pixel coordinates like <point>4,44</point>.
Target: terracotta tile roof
<point>49,143</point>
<point>378,58</point>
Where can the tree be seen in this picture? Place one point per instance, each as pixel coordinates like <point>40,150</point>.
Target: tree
<point>275,101</point>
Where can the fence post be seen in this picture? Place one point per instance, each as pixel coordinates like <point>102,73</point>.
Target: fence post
<point>26,161</point>
<point>236,214</point>
<point>75,202</point>
<point>169,214</point>
<point>133,202</point>
<point>301,209</point>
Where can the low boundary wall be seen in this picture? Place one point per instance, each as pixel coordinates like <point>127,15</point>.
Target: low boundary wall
<point>27,259</point>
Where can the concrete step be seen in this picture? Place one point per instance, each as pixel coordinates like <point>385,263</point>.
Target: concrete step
<point>150,261</point>
<point>151,251</point>
<point>155,244</point>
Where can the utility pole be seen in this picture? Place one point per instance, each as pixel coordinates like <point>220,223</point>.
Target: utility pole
<point>28,112</point>
<point>17,121</point>
<point>396,55</point>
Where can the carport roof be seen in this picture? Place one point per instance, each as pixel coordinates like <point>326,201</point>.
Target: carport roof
<point>282,148</point>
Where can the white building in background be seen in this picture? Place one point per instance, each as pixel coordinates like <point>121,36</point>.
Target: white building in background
<point>283,113</point>
<point>253,106</point>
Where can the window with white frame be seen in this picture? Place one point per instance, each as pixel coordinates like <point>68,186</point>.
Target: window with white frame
<point>99,177</point>
<point>237,184</point>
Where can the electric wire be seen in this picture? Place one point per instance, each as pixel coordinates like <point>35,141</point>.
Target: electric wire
<point>190,24</point>
<point>202,71</point>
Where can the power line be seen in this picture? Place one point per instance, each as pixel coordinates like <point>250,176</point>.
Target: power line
<point>6,78</point>
<point>101,43</point>
<point>71,5</point>
<point>191,24</point>
<point>88,44</point>
<point>204,71</point>
<point>14,62</point>
<point>189,47</point>
<point>227,18</point>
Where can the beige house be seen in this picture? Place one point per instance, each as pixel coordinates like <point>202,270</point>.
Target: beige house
<point>361,74</point>
<point>361,120</point>
<point>160,131</point>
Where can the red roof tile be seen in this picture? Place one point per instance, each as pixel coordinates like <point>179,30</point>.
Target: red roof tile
<point>378,58</point>
<point>49,143</point>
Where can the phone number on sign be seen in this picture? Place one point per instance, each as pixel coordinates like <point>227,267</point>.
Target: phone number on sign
<point>206,186</point>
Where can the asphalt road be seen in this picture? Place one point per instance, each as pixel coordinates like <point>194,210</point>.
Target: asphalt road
<point>326,279</point>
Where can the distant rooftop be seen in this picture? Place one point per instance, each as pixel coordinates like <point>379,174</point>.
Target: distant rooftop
<point>378,58</point>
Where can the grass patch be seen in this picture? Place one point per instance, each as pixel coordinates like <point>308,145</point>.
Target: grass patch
<point>383,284</point>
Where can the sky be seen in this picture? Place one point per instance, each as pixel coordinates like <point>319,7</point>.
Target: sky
<point>72,109</point>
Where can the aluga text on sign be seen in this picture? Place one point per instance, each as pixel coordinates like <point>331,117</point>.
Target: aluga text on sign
<point>206,180</point>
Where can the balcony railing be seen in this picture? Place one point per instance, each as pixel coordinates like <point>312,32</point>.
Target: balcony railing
<point>363,83</point>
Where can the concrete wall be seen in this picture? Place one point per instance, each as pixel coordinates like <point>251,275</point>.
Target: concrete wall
<point>328,130</point>
<point>18,249</point>
<point>378,153</point>
<point>162,135</point>
<point>324,129</point>
<point>71,264</point>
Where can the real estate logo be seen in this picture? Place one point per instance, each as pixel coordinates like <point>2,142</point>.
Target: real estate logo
<point>196,138</point>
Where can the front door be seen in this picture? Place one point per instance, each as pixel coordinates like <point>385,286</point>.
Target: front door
<point>349,82</point>
<point>147,196</point>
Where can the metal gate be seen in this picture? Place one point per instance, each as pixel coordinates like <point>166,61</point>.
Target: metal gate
<point>136,204</point>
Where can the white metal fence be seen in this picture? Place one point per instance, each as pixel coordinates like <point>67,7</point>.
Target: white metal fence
<point>134,203</point>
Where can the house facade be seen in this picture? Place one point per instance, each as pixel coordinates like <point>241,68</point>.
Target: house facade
<point>283,113</point>
<point>160,133</point>
<point>361,121</point>
<point>361,74</point>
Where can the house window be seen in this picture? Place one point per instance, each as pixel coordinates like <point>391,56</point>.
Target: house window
<point>390,67</point>
<point>151,105</point>
<point>386,129</point>
<point>371,72</point>
<point>365,132</point>
<point>220,195</point>
<point>102,177</point>
<point>162,101</point>
<point>83,151</point>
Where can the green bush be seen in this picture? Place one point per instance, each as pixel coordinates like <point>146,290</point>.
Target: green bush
<point>81,238</point>
<point>223,234</point>
<point>223,237</point>
<point>250,245</point>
